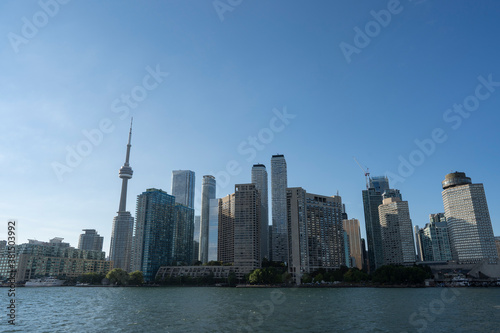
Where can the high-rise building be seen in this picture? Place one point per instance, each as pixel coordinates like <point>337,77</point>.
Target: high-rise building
<point>183,182</point>
<point>225,244</point>
<point>279,185</point>
<point>468,219</point>
<point>433,242</point>
<point>315,232</point>
<point>153,244</point>
<point>397,233</point>
<point>365,254</point>
<point>90,240</point>
<point>196,238</point>
<point>247,224</point>
<point>123,224</point>
<point>259,178</point>
<point>183,234</point>
<point>207,193</point>
<point>351,227</point>
<point>372,198</point>
<point>213,228</point>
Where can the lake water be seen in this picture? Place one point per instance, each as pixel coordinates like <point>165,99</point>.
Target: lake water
<point>192,309</point>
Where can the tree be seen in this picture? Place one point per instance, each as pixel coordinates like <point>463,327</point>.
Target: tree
<point>231,279</point>
<point>318,278</point>
<point>117,276</point>
<point>136,278</point>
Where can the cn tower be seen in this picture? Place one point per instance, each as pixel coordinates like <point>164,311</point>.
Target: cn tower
<point>123,223</point>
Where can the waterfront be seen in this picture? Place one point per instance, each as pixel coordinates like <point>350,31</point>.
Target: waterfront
<point>177,309</point>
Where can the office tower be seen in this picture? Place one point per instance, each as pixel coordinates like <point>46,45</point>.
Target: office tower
<point>468,219</point>
<point>196,238</point>
<point>351,227</point>
<point>397,233</point>
<point>270,242</point>
<point>247,224</point>
<point>278,188</point>
<point>372,198</point>
<point>347,250</point>
<point>225,244</point>
<point>433,242</point>
<point>259,178</point>
<point>315,232</point>
<point>154,232</point>
<point>90,240</point>
<point>207,193</point>
<point>123,224</point>
<point>344,213</point>
<point>183,187</point>
<point>213,229</point>
<point>183,234</point>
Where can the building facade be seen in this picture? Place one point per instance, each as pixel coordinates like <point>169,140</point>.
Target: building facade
<point>213,229</point>
<point>196,238</point>
<point>183,184</point>
<point>397,232</point>
<point>352,228</point>
<point>247,224</point>
<point>468,219</point>
<point>153,244</point>
<point>315,232</point>
<point>259,178</point>
<point>279,185</point>
<point>183,234</point>
<point>90,240</point>
<point>433,242</point>
<point>208,189</point>
<point>225,246</point>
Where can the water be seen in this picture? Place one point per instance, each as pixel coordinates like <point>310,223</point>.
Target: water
<point>190,309</point>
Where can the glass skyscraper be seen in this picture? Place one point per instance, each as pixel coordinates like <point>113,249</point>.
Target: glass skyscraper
<point>153,244</point>
<point>183,234</point>
<point>90,240</point>
<point>183,182</point>
<point>433,242</point>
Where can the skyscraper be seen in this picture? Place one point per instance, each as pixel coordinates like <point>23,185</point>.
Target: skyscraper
<point>468,219</point>
<point>372,198</point>
<point>213,229</point>
<point>247,224</point>
<point>315,232</point>
<point>183,234</point>
<point>90,240</point>
<point>433,242</point>
<point>153,244</point>
<point>196,238</point>
<point>207,193</point>
<point>259,178</point>
<point>183,182</point>
<point>225,243</point>
<point>351,227</point>
<point>279,185</point>
<point>397,233</point>
<point>123,224</point>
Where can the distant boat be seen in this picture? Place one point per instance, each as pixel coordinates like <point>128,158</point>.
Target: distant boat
<point>44,282</point>
<point>459,281</point>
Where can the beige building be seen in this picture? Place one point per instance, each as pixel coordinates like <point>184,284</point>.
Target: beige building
<point>397,232</point>
<point>247,224</point>
<point>351,227</point>
<point>315,232</point>
<point>225,241</point>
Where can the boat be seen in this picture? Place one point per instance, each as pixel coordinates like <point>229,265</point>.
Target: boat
<point>459,281</point>
<point>44,282</point>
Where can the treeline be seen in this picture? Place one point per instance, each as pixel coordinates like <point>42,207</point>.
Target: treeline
<point>207,280</point>
<point>116,276</point>
<point>385,275</point>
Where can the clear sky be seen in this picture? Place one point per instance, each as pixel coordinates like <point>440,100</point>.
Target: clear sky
<point>347,78</point>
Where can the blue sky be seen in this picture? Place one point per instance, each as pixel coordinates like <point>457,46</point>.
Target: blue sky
<point>227,78</point>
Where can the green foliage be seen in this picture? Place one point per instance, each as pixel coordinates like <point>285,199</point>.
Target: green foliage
<point>318,278</point>
<point>213,263</point>
<point>136,278</point>
<point>306,278</point>
<point>231,279</point>
<point>117,276</point>
<point>355,275</point>
<point>91,278</point>
<point>268,275</point>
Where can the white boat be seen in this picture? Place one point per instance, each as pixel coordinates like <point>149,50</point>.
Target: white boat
<point>44,282</point>
<point>459,281</point>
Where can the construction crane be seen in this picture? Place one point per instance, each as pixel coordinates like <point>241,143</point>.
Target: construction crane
<point>367,174</point>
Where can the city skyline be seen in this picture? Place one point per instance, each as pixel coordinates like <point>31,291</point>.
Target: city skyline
<point>231,79</point>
